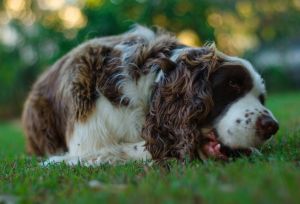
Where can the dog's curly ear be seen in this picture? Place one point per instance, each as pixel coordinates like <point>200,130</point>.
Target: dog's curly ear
<point>165,64</point>
<point>180,104</point>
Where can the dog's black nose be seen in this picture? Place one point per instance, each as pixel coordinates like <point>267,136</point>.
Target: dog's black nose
<point>266,126</point>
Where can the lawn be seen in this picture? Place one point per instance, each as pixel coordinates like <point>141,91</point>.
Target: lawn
<point>273,177</point>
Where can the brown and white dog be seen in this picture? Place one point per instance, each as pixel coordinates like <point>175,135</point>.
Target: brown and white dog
<point>143,95</point>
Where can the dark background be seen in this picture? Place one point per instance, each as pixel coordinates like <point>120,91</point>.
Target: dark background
<point>35,33</point>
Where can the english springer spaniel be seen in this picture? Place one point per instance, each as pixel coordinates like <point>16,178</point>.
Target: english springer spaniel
<point>143,95</point>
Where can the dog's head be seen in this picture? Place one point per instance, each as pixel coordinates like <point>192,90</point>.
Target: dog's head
<point>207,104</point>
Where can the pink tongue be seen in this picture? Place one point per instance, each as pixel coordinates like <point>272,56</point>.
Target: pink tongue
<point>212,149</point>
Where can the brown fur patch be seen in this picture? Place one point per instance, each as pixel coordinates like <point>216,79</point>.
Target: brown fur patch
<point>66,93</point>
<point>96,72</point>
<point>157,53</point>
<point>43,119</point>
<point>180,104</point>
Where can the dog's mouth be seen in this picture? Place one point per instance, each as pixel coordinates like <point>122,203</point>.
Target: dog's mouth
<point>214,149</point>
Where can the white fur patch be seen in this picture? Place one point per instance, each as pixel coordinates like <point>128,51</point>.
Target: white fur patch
<point>142,31</point>
<point>114,154</point>
<point>107,126</point>
<point>139,92</point>
<point>242,134</point>
<point>159,76</point>
<point>237,127</point>
<point>112,134</point>
<point>178,52</point>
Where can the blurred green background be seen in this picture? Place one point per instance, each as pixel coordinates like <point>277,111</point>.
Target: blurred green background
<point>35,33</point>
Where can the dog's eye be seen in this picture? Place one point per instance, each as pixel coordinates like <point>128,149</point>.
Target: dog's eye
<point>234,85</point>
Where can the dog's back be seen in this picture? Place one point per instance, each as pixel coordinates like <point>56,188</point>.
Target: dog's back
<point>67,92</point>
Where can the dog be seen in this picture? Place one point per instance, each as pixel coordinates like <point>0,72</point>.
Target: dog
<point>142,95</point>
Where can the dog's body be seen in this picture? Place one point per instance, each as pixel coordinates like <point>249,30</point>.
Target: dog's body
<point>143,95</point>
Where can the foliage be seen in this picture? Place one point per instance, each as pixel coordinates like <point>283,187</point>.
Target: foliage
<point>33,34</point>
<point>269,178</point>
<point>277,78</point>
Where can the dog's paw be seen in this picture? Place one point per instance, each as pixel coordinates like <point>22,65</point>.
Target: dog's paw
<point>71,161</point>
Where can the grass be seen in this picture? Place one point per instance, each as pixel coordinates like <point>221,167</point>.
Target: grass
<point>273,177</point>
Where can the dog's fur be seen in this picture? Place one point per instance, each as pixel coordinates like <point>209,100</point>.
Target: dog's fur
<point>142,95</point>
